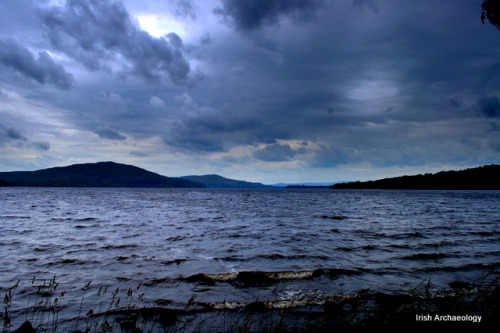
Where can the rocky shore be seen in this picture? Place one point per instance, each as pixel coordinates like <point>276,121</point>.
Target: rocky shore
<point>464,304</point>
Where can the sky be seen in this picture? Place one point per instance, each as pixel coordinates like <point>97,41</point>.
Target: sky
<point>264,90</point>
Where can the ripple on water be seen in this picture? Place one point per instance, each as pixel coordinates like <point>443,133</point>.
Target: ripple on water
<point>247,243</point>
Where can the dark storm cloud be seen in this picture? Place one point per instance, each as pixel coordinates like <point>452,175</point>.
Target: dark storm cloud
<point>43,70</point>
<point>275,152</point>
<point>10,135</point>
<point>489,107</point>
<point>367,3</point>
<point>212,133</point>
<point>40,145</point>
<point>494,143</point>
<point>100,33</point>
<point>184,8</point>
<point>202,129</point>
<point>328,156</point>
<point>378,83</point>
<point>138,154</point>
<point>252,15</point>
<point>110,134</point>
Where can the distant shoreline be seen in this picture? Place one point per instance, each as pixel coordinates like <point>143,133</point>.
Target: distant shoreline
<point>481,178</point>
<point>114,175</point>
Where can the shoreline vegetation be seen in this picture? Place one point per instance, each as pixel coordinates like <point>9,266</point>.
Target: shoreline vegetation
<point>481,178</point>
<point>473,305</point>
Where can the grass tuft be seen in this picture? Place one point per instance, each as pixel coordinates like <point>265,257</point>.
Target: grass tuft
<point>123,310</point>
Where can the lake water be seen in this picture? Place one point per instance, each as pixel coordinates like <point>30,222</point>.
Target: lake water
<point>231,247</point>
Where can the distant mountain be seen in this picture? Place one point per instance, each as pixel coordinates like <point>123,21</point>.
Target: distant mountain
<point>102,174</point>
<point>216,181</point>
<point>481,178</point>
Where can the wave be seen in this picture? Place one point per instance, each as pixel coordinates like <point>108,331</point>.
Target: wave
<point>29,259</point>
<point>439,244</point>
<point>154,282</point>
<point>400,246</point>
<point>121,246</point>
<point>291,257</point>
<point>71,261</point>
<point>176,238</point>
<point>83,219</point>
<point>274,256</point>
<point>469,267</point>
<point>14,217</point>
<point>426,256</point>
<point>232,258</point>
<point>44,248</point>
<point>484,233</point>
<point>259,306</point>
<point>257,278</point>
<point>60,219</point>
<point>334,217</point>
<point>172,262</point>
<point>404,235</point>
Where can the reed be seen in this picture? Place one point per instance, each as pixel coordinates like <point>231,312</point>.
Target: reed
<point>103,310</point>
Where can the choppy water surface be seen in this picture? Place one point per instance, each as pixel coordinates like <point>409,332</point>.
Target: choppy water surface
<point>236,246</point>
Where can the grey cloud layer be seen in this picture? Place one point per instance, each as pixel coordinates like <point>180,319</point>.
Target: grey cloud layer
<point>275,152</point>
<point>252,15</point>
<point>100,33</point>
<point>184,8</point>
<point>216,132</point>
<point>12,136</point>
<point>489,107</point>
<point>42,70</point>
<point>382,83</point>
<point>110,134</point>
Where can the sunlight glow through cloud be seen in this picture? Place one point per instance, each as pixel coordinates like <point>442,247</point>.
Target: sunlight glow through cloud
<point>366,90</point>
<point>263,90</point>
<point>161,25</point>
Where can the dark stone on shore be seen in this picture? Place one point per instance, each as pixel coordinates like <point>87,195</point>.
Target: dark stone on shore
<point>256,306</point>
<point>392,301</point>
<point>127,323</point>
<point>164,316</point>
<point>460,285</point>
<point>167,318</point>
<point>333,307</point>
<point>496,294</point>
<point>26,327</point>
<point>254,278</point>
